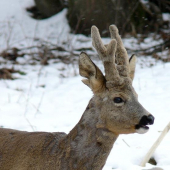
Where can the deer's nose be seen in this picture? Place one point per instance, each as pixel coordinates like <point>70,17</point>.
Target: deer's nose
<point>150,119</point>
<point>147,120</point>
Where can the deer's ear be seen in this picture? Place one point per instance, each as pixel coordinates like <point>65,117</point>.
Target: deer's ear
<point>95,79</point>
<point>132,65</point>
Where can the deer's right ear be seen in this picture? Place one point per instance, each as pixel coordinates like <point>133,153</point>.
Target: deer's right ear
<point>95,79</point>
<point>132,65</point>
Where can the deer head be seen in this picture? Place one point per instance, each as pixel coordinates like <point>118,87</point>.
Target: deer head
<point>115,98</point>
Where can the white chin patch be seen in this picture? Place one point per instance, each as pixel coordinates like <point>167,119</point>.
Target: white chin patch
<point>141,130</point>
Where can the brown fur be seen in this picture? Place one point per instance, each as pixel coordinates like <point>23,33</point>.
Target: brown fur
<point>89,143</point>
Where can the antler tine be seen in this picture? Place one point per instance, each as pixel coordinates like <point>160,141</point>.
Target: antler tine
<point>121,53</point>
<point>97,42</point>
<point>106,53</point>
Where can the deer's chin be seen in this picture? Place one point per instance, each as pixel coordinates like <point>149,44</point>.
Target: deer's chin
<point>142,129</point>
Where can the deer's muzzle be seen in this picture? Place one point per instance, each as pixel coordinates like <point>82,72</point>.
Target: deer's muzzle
<point>142,126</point>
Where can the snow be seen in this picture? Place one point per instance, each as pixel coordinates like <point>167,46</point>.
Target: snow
<point>53,98</point>
<point>18,29</point>
<point>166,16</point>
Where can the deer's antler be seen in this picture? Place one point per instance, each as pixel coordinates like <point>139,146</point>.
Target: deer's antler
<point>122,59</point>
<point>106,53</point>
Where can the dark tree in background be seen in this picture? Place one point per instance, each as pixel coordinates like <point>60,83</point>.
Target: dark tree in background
<point>163,5</point>
<point>130,16</point>
<point>135,17</point>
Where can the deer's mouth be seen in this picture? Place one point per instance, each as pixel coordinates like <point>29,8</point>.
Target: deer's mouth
<point>142,126</point>
<point>141,129</point>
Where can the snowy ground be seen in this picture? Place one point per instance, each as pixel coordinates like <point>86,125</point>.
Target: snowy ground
<point>42,100</point>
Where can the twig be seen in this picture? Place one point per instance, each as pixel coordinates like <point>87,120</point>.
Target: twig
<point>39,74</point>
<point>39,104</point>
<point>125,143</point>
<point>30,124</point>
<point>155,145</point>
<point>27,99</point>
<point>156,48</point>
<point>10,27</point>
<point>129,16</point>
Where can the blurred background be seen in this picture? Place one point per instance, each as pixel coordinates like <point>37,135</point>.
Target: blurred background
<point>138,18</point>
<point>40,86</point>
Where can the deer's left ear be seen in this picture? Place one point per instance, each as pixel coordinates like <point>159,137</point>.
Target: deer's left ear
<point>132,65</point>
<point>95,79</point>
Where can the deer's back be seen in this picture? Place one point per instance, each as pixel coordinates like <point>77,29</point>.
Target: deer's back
<point>32,150</point>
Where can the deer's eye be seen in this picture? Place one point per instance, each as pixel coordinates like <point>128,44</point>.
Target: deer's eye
<point>118,100</point>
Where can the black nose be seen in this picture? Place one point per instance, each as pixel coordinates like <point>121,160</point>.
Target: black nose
<point>147,120</point>
<point>150,119</point>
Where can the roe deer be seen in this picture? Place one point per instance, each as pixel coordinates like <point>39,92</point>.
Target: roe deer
<point>114,109</point>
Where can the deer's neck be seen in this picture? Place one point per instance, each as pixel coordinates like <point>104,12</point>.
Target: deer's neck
<point>87,145</point>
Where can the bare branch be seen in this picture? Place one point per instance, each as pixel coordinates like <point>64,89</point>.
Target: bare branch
<point>155,145</point>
